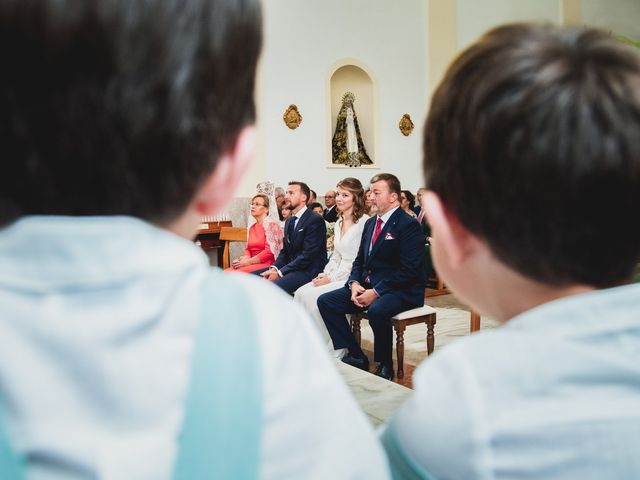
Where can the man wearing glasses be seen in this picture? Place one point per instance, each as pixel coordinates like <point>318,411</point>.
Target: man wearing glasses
<point>331,212</point>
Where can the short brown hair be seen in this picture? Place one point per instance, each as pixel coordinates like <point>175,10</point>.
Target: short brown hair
<point>264,198</point>
<point>392,182</point>
<point>533,141</point>
<point>304,187</point>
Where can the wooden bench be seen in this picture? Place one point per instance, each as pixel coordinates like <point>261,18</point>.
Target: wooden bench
<point>228,235</point>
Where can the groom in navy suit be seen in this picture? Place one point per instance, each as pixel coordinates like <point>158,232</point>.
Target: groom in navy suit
<point>387,277</point>
<point>304,252</point>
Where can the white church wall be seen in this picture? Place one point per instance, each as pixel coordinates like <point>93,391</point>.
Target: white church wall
<point>622,17</point>
<point>474,17</point>
<point>303,43</point>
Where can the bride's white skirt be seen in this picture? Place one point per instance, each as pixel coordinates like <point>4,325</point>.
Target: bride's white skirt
<point>307,296</point>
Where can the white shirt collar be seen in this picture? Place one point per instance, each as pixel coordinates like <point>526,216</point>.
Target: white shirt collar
<point>298,215</point>
<point>385,217</point>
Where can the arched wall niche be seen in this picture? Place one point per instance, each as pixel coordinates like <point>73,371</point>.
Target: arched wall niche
<point>350,75</point>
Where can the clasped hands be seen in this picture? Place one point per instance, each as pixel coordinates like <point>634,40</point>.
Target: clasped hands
<point>321,279</point>
<point>362,297</point>
<point>271,274</point>
<point>243,261</point>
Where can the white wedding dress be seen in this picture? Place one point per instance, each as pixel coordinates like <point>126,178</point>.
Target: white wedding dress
<point>337,269</point>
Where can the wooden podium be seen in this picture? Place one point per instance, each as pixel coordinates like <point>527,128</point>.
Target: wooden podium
<point>209,237</point>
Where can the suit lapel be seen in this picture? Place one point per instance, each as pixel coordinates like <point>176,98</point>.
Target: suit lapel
<point>383,233</point>
<point>367,237</point>
<point>302,221</point>
<point>289,231</point>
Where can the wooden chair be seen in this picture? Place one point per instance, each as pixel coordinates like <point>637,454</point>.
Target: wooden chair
<point>228,235</point>
<point>423,314</point>
<point>474,325</point>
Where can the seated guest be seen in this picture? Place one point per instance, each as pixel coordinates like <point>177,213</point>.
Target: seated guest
<point>418,207</point>
<point>555,392</point>
<point>387,277</point>
<point>316,208</point>
<point>124,354</point>
<point>347,235</point>
<point>426,229</point>
<point>285,212</point>
<point>304,253</point>
<point>264,238</point>
<point>369,206</point>
<point>407,202</point>
<point>279,194</point>
<point>330,213</point>
<point>313,198</point>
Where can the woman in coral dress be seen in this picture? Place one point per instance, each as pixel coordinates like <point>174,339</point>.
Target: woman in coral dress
<point>264,239</point>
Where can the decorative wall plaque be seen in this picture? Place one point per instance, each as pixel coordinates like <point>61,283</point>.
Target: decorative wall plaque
<point>292,117</point>
<point>406,125</point>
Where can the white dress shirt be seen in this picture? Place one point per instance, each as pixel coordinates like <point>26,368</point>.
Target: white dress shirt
<point>97,318</point>
<point>553,394</point>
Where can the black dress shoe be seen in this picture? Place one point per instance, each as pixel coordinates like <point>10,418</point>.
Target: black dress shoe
<point>385,371</point>
<point>361,362</point>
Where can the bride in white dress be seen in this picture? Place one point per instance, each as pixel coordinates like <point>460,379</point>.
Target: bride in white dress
<point>347,235</point>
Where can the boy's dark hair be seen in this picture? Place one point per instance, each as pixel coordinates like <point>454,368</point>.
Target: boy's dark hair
<point>120,107</point>
<point>304,187</point>
<point>316,205</point>
<point>392,182</point>
<point>533,141</point>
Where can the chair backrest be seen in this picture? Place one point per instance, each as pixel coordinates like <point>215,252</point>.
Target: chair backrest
<point>228,235</point>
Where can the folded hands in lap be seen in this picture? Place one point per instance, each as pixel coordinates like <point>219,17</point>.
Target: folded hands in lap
<point>362,297</point>
<point>320,280</point>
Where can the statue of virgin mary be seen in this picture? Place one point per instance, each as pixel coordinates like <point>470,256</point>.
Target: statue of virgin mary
<point>347,146</point>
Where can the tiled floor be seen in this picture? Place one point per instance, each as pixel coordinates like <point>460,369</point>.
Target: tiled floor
<point>378,398</point>
<point>452,322</point>
<point>408,371</point>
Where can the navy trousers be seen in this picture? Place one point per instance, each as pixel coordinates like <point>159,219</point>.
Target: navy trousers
<point>336,304</point>
<point>292,280</point>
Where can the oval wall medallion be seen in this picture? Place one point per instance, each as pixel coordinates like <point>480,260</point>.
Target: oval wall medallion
<point>406,125</point>
<point>292,117</point>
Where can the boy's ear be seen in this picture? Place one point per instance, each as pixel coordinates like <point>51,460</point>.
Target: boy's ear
<point>220,186</point>
<point>455,242</point>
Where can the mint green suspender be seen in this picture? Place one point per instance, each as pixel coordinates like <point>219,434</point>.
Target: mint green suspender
<point>220,435</point>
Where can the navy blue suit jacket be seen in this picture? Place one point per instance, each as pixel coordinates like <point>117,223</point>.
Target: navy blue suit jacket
<point>331,215</point>
<point>396,261</point>
<point>307,249</point>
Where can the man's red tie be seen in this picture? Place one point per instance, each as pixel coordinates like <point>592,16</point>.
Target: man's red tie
<point>376,232</point>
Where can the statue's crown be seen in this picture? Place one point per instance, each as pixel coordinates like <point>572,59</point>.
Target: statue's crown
<point>348,98</point>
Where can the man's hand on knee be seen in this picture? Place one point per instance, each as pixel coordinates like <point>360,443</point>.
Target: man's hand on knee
<point>365,298</point>
<point>270,275</point>
<point>356,289</point>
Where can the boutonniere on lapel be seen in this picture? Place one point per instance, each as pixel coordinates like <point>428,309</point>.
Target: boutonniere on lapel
<point>389,237</point>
